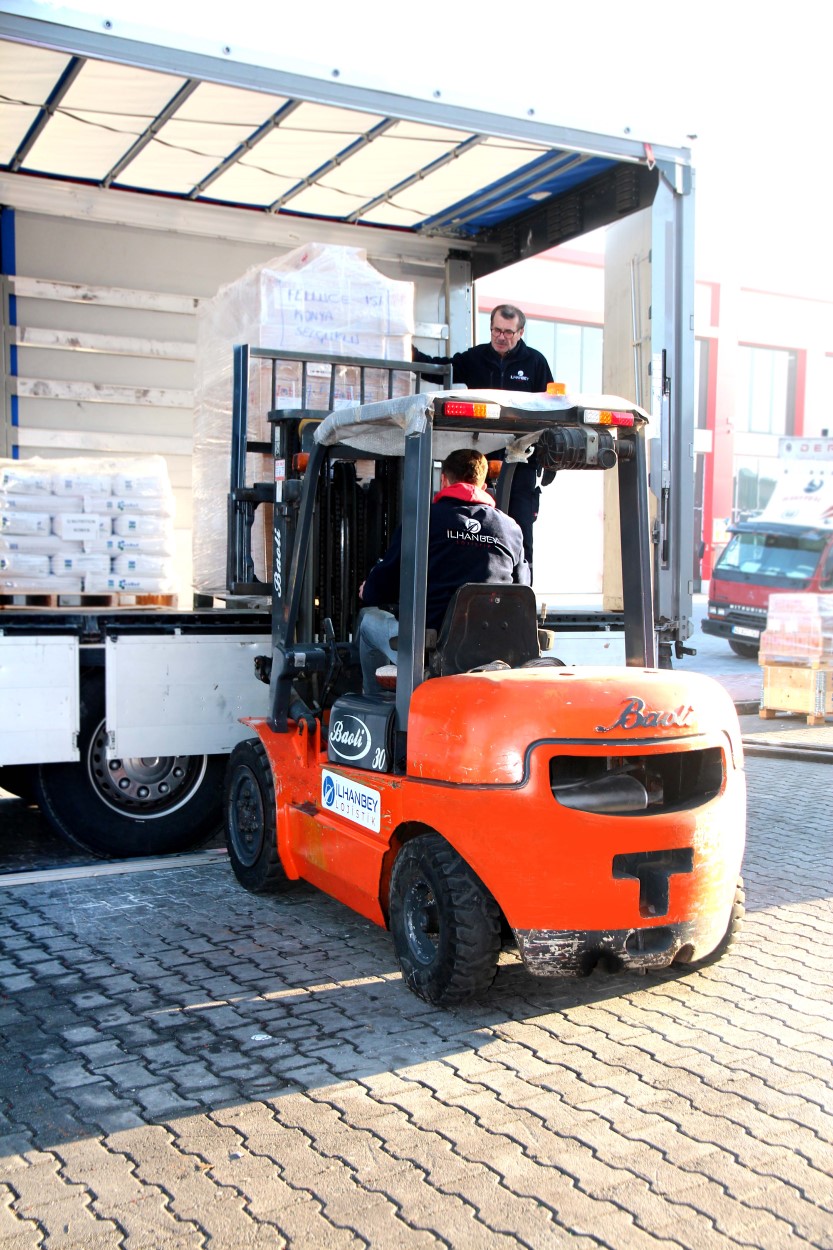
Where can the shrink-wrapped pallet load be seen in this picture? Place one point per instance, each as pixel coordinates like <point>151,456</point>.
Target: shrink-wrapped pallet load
<point>796,655</point>
<point>326,300</point>
<point>60,523</point>
<point>799,631</point>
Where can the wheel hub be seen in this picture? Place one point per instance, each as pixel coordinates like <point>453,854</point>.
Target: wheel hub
<point>422,921</point>
<point>145,786</point>
<point>247,819</point>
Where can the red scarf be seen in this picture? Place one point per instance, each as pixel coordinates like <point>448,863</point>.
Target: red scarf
<point>467,493</point>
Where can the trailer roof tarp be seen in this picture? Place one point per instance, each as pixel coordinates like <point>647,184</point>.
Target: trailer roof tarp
<point>137,117</point>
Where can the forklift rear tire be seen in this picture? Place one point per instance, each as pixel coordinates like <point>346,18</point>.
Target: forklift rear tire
<point>250,820</point>
<point>729,937</point>
<point>445,924</point>
<point>124,808</point>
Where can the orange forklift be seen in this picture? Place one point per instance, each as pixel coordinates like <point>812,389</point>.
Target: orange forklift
<point>593,816</point>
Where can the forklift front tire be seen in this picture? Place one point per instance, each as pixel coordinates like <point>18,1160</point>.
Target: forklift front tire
<point>445,924</point>
<point>250,820</point>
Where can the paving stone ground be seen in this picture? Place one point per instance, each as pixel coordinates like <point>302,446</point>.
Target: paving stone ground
<point>186,1065</point>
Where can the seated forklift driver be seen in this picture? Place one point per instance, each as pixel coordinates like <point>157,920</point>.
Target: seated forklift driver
<point>469,540</point>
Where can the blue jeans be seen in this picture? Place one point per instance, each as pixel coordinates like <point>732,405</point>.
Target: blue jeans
<point>376,629</point>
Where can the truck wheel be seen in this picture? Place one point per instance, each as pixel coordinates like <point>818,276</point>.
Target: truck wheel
<point>748,650</point>
<point>251,836</point>
<point>444,922</point>
<point>729,937</point>
<point>119,809</point>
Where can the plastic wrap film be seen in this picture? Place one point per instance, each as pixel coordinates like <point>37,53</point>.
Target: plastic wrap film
<point>320,299</point>
<point>799,631</point>
<point>86,525</point>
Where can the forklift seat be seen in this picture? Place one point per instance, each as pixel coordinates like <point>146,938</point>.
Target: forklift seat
<point>485,622</point>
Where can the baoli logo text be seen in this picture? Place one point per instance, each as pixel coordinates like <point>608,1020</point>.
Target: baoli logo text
<point>350,738</point>
<point>635,715</point>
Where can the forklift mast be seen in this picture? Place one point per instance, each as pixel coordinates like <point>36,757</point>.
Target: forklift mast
<point>327,529</point>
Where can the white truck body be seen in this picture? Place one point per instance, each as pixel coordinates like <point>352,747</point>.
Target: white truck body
<point>803,493</point>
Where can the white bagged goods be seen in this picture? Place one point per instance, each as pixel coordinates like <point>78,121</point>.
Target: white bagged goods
<point>25,523</point>
<point>118,545</point>
<point>134,564</point>
<point>78,481</point>
<point>140,526</point>
<point>64,510</point>
<point>11,502</point>
<point>317,298</point>
<point>46,586</point>
<point>128,585</point>
<point>151,505</point>
<point>147,479</point>
<point>81,564</point>
<point>21,477</point>
<point>24,565</point>
<point>37,544</point>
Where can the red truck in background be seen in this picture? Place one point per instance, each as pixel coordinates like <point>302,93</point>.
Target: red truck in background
<point>789,547</point>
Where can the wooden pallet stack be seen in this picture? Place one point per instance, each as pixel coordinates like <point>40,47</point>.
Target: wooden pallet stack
<point>797,657</point>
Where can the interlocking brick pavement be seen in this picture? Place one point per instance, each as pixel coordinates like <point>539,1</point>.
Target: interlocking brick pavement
<point>188,1066</point>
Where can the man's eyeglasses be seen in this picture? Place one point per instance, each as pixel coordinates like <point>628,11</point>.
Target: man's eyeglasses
<point>504,334</point>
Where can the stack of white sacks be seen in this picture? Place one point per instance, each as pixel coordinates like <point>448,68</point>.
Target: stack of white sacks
<point>86,526</point>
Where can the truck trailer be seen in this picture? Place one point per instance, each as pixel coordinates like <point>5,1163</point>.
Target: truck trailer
<point>120,721</point>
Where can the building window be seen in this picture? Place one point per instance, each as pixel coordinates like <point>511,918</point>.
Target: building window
<point>766,391</point>
<point>574,352</point>
<point>754,483</point>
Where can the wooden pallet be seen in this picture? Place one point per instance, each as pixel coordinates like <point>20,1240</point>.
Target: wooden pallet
<point>121,599</point>
<point>807,690</point>
<point>774,661</point>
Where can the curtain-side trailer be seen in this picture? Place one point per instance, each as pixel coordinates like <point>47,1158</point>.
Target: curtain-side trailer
<point>119,722</point>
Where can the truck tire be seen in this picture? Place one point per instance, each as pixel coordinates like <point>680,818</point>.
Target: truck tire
<point>747,650</point>
<point>445,924</point>
<point>251,836</point>
<point>120,809</point>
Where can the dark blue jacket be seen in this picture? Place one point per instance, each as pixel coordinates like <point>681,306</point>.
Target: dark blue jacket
<point>467,542</point>
<point>481,367</point>
<point>522,369</point>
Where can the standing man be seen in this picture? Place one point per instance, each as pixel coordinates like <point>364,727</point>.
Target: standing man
<point>469,540</point>
<point>505,364</point>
